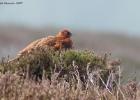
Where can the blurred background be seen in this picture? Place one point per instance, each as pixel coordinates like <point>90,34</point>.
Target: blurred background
<point>111,26</point>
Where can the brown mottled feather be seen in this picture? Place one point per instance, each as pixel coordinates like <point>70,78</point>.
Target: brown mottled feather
<point>62,40</point>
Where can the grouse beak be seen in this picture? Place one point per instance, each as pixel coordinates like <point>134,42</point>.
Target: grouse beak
<point>70,34</point>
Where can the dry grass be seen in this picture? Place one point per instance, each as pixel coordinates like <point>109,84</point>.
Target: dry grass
<point>14,88</point>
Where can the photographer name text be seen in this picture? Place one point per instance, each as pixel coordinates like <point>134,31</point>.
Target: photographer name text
<point>10,3</point>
